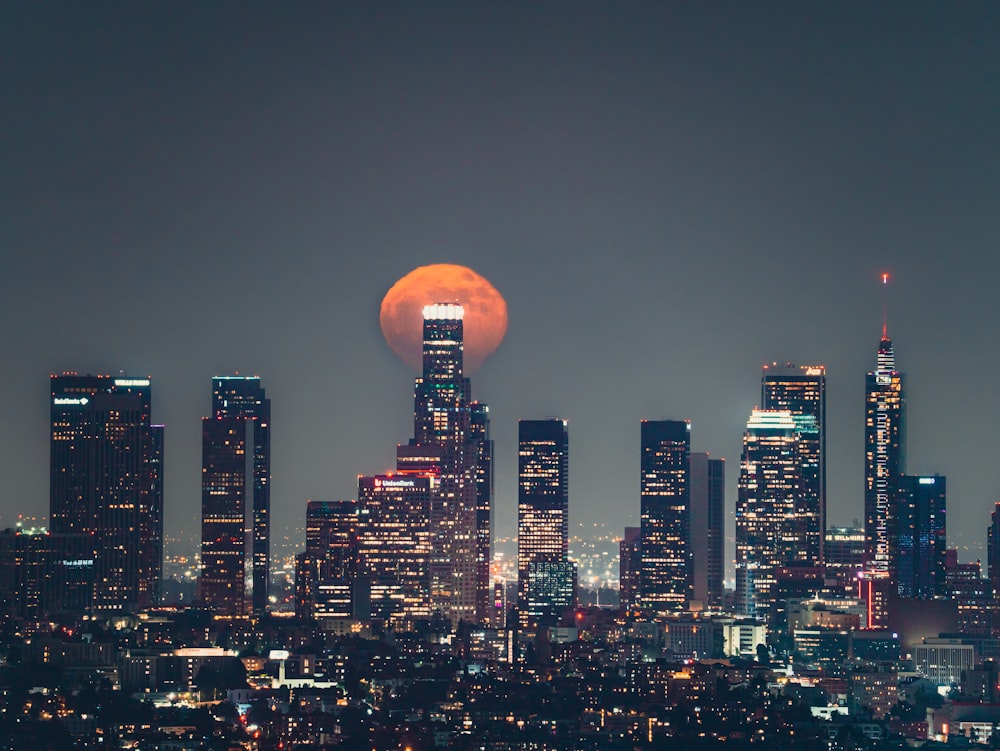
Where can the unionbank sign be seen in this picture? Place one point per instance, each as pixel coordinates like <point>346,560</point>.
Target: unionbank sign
<point>382,484</point>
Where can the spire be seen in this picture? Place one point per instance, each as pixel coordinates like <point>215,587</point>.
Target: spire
<point>886,359</point>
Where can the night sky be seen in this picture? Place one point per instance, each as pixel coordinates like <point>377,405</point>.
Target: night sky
<point>668,195</point>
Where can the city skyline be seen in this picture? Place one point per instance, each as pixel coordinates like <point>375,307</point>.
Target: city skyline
<point>595,177</point>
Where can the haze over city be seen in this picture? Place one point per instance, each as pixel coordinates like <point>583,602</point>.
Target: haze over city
<point>667,196</point>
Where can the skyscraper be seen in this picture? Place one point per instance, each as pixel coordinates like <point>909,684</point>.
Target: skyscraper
<point>885,416</point>
<point>665,580</point>
<point>236,465</point>
<point>802,391</point>
<point>629,566</point>
<point>482,446</point>
<point>707,482</point>
<point>395,544</point>
<point>917,536</point>
<point>768,534</point>
<point>443,429</point>
<point>325,574</point>
<point>885,423</point>
<point>102,484</point>
<point>545,575</point>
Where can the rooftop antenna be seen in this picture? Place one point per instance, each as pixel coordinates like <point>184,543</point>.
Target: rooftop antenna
<point>885,304</point>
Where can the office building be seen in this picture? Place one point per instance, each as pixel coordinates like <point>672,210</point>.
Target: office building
<point>546,577</point>
<point>708,514</point>
<point>443,429</point>
<point>482,456</point>
<point>844,554</point>
<point>395,544</point>
<point>885,415</point>
<point>917,536</point>
<point>102,485</point>
<point>236,496</point>
<point>802,391</point>
<point>769,535</point>
<point>665,579</point>
<point>326,573</point>
<point>629,567</point>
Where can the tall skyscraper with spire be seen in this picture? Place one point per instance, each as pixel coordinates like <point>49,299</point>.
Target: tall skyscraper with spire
<point>885,423</point>
<point>236,467</point>
<point>801,389</point>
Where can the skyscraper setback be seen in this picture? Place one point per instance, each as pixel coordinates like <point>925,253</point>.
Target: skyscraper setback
<point>236,467</point>
<point>105,483</point>
<point>802,391</point>
<point>546,578</point>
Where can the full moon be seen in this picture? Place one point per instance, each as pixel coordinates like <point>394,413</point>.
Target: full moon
<point>401,314</point>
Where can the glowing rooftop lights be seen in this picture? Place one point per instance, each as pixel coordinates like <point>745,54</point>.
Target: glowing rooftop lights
<point>444,311</point>
<point>771,418</point>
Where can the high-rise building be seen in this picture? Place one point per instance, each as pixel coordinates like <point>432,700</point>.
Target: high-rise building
<point>708,513</point>
<point>482,446</point>
<point>802,391</point>
<point>395,544</point>
<point>993,563</point>
<point>444,435</point>
<point>885,416</point>
<point>885,421</point>
<point>665,580</point>
<point>236,467</point>
<point>102,484</point>
<point>917,536</point>
<point>768,534</point>
<point>844,554</point>
<point>546,576</point>
<point>325,574</point>
<point>629,567</point>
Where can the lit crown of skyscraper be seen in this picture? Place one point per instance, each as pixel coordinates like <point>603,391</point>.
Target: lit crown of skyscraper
<point>775,419</point>
<point>444,311</point>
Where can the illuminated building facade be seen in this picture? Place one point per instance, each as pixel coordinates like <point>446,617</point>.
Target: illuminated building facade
<point>395,544</point>
<point>443,426</point>
<point>917,536</point>
<point>326,572</point>
<point>545,575</point>
<point>768,533</point>
<point>236,467</point>
<point>844,553</point>
<point>802,391</point>
<point>102,484</point>
<point>482,446</point>
<point>885,417</point>
<point>665,579</point>
<point>44,574</point>
<point>708,513</point>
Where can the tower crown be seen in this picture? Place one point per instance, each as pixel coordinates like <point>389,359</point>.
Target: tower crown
<point>886,358</point>
<point>444,311</point>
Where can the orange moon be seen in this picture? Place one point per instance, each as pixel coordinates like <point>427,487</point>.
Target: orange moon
<point>402,319</point>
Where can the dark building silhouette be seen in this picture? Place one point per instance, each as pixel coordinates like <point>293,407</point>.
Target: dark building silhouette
<point>546,577</point>
<point>802,391</point>
<point>104,483</point>
<point>44,574</point>
<point>708,513</point>
<point>665,580</point>
<point>325,574</point>
<point>629,567</point>
<point>917,536</point>
<point>885,419</point>
<point>236,468</point>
